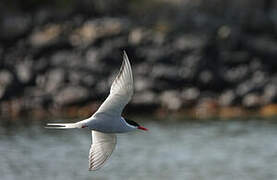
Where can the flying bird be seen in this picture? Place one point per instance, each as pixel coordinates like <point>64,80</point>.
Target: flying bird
<point>107,120</point>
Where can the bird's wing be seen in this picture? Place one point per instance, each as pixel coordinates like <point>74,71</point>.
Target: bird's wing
<point>121,91</point>
<point>101,149</point>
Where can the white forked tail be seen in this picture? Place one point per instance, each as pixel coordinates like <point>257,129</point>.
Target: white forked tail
<point>63,125</point>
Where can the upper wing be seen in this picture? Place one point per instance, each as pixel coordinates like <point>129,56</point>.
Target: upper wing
<point>121,91</point>
<point>101,149</point>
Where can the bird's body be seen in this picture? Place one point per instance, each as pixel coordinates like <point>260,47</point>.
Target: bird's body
<point>108,120</point>
<point>102,123</point>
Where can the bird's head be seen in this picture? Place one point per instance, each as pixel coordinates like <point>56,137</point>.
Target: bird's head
<point>136,125</point>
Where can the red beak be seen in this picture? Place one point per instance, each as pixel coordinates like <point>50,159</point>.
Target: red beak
<point>142,128</point>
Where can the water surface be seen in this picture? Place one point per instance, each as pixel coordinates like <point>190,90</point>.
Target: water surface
<point>241,150</point>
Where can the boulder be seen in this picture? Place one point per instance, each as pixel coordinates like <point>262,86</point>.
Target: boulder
<point>190,96</point>
<point>6,79</point>
<point>171,100</point>
<point>54,79</point>
<point>46,36</point>
<point>69,95</point>
<point>24,71</point>
<point>252,100</point>
<point>13,26</point>
<point>227,98</point>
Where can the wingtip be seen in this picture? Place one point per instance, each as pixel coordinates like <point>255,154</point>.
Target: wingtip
<point>125,57</point>
<point>93,169</point>
<point>125,54</point>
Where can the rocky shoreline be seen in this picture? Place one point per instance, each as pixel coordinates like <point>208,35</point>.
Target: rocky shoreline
<point>194,63</point>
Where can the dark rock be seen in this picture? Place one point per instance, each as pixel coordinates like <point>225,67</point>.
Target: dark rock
<point>54,79</point>
<point>259,78</point>
<point>234,57</point>
<point>234,75</point>
<point>153,54</point>
<point>227,98</point>
<point>188,42</point>
<point>206,77</point>
<point>254,84</point>
<point>6,79</point>
<point>88,80</point>
<point>143,69</point>
<point>24,71</point>
<point>101,89</point>
<point>110,52</point>
<point>209,79</point>
<point>255,65</point>
<point>94,61</point>
<point>171,100</point>
<point>66,59</point>
<point>252,100</point>
<point>190,96</point>
<point>48,35</point>
<point>264,46</point>
<point>144,98</point>
<point>189,67</point>
<point>92,30</point>
<point>41,65</point>
<point>137,36</point>
<point>71,95</point>
<point>82,77</point>
<point>35,98</point>
<point>143,84</point>
<point>162,71</point>
<point>270,93</point>
<point>167,73</point>
<point>244,88</point>
<point>42,16</point>
<point>14,26</point>
<point>92,57</point>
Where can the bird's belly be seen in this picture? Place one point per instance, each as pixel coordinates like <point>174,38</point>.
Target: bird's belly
<point>109,131</point>
<point>108,127</point>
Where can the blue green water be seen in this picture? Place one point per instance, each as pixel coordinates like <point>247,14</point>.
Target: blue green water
<point>241,150</point>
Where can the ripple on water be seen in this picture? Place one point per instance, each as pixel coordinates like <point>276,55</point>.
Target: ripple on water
<point>195,151</point>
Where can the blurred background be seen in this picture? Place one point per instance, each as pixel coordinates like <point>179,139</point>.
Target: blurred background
<point>205,77</point>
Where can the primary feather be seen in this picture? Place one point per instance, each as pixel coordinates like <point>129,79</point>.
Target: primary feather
<point>101,149</point>
<point>121,91</point>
